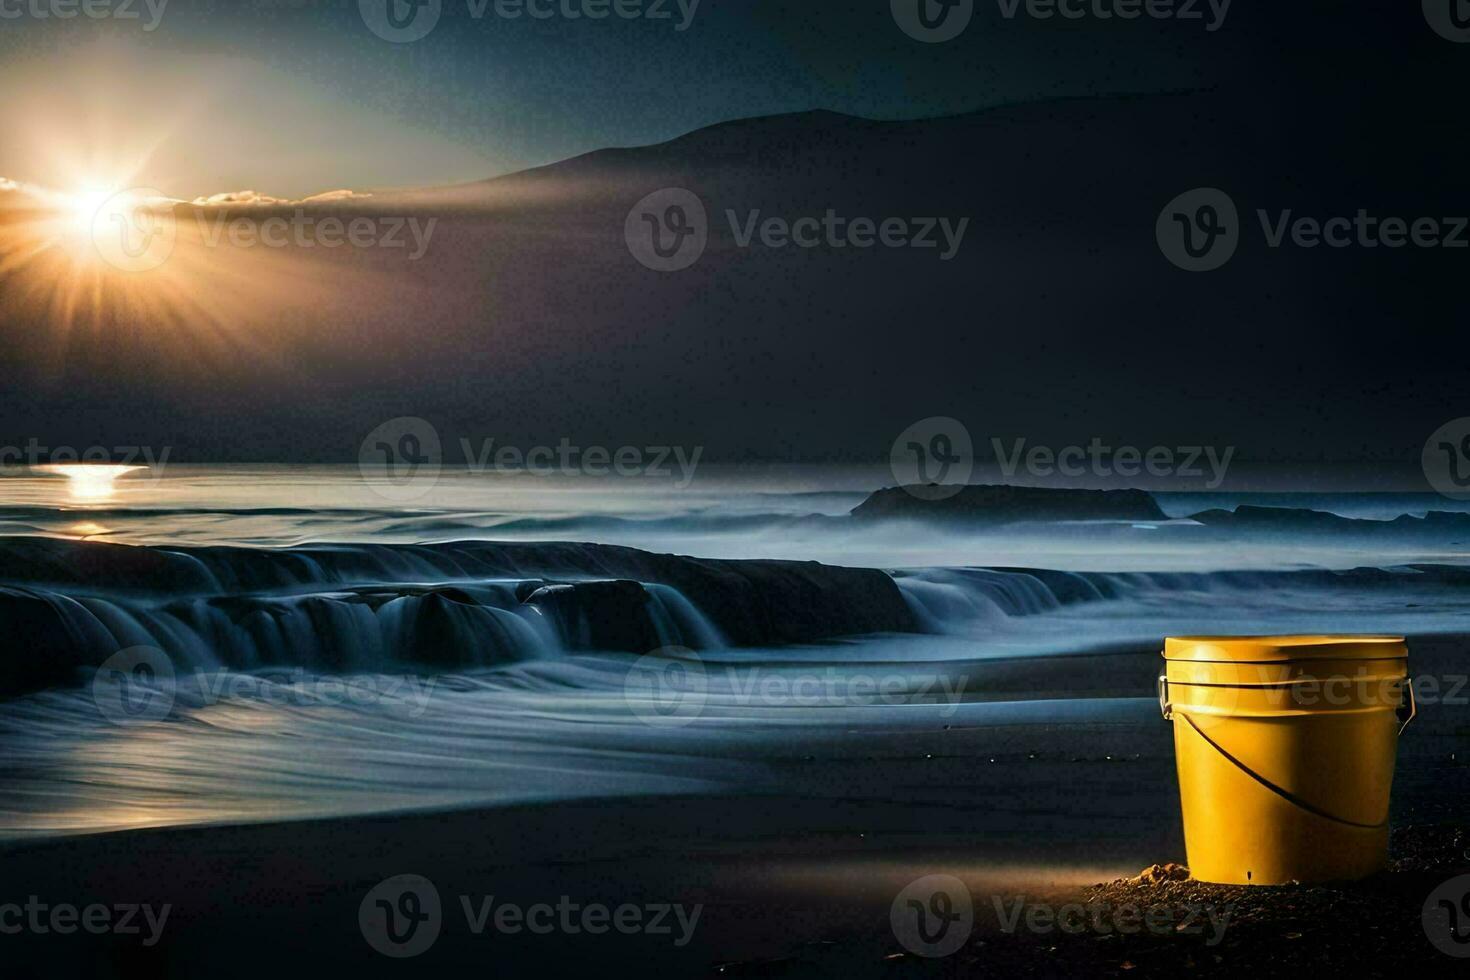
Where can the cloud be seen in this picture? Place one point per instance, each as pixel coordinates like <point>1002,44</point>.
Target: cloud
<point>256,198</point>
<point>238,197</point>
<point>39,194</point>
<point>328,196</point>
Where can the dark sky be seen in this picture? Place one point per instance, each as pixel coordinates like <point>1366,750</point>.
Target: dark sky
<point>1059,321</point>
<point>491,94</point>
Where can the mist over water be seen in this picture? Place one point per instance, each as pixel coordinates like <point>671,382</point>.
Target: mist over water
<point>348,670</point>
<point>790,511</point>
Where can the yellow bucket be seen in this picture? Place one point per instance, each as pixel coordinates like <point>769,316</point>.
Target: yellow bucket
<point>1285,747</point>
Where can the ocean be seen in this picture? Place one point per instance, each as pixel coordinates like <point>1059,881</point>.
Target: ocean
<point>225,644</point>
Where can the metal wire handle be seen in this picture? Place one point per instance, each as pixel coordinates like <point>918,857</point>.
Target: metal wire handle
<point>1413,706</point>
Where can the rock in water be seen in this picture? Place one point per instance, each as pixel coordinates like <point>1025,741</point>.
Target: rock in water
<point>612,615</point>
<point>984,504</point>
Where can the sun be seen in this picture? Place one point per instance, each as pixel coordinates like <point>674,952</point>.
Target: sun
<point>83,206</point>
<point>103,253</point>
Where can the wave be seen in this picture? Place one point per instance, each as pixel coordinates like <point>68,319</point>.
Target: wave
<point>352,608</point>
<point>466,605</point>
<point>946,599</point>
<point>1001,504</point>
<point>1297,520</point>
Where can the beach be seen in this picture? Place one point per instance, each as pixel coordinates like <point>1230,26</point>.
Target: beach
<point>357,751</point>
<point>789,884</point>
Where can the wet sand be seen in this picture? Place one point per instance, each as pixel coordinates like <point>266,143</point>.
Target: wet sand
<point>788,884</point>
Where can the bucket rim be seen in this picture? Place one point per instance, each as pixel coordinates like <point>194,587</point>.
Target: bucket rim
<point>1284,648</point>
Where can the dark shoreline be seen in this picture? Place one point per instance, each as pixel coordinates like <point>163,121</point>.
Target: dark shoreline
<point>790,885</point>
<point>796,891</point>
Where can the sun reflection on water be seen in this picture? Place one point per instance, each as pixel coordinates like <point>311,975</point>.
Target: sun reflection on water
<point>88,529</point>
<point>90,482</point>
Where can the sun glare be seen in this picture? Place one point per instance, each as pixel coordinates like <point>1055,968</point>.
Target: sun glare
<point>103,250</point>
<point>89,481</point>
<point>96,255</point>
<point>84,205</point>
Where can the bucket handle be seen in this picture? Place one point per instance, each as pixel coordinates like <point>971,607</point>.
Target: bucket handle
<point>1166,707</point>
<point>1413,708</point>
